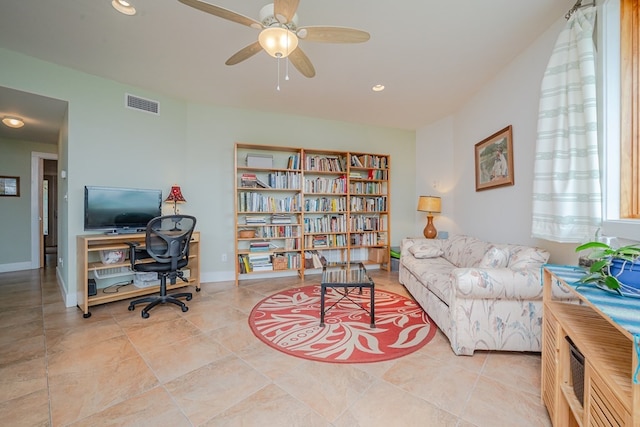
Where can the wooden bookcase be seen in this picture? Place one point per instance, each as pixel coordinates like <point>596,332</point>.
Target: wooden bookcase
<point>589,317</point>
<point>114,280</point>
<point>294,202</point>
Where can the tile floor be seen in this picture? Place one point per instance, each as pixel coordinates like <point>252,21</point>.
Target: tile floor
<point>205,368</point>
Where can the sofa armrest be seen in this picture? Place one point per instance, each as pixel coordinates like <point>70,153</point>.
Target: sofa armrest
<point>496,283</point>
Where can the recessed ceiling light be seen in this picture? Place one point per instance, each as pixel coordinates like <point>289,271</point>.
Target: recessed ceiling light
<point>378,88</point>
<point>123,6</point>
<point>13,122</point>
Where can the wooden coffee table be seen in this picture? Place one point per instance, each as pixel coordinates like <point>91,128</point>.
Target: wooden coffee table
<point>349,277</point>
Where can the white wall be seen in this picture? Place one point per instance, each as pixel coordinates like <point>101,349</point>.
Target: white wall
<point>501,215</point>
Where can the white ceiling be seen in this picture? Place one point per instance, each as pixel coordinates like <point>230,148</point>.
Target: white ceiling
<point>432,55</point>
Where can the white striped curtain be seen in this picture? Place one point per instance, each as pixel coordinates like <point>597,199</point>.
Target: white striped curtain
<point>567,196</point>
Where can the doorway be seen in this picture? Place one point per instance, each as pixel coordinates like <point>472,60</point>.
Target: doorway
<point>50,212</point>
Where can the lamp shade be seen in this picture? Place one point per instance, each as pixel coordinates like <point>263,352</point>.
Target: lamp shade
<point>175,195</point>
<point>429,204</point>
<point>278,42</point>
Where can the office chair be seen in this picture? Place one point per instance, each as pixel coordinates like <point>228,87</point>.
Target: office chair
<point>166,251</point>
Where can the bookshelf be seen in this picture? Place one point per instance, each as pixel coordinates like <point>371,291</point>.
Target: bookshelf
<point>295,206</point>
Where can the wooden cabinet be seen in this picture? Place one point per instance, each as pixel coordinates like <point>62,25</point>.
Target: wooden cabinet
<point>114,278</point>
<point>605,329</point>
<point>292,203</point>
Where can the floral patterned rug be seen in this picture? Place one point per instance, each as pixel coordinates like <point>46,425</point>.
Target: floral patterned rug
<point>289,321</point>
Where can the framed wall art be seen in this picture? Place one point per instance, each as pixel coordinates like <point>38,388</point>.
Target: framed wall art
<point>9,186</point>
<point>494,160</point>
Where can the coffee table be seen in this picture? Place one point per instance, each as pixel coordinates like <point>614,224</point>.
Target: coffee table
<point>349,277</point>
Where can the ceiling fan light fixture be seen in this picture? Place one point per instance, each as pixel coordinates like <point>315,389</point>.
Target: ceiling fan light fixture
<point>278,42</point>
<point>123,7</point>
<point>13,122</point>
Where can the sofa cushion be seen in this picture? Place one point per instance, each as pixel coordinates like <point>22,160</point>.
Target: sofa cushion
<point>524,257</point>
<point>495,258</point>
<point>434,274</point>
<point>422,251</point>
<point>465,251</point>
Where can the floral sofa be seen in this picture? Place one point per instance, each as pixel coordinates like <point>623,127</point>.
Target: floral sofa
<point>482,296</point>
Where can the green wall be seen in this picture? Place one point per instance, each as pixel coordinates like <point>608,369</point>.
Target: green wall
<point>188,144</point>
<point>15,232</point>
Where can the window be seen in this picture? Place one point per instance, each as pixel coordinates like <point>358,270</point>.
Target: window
<point>618,44</point>
<point>629,113</point>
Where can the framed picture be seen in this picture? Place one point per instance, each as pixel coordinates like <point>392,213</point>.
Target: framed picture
<point>9,186</point>
<point>494,160</point>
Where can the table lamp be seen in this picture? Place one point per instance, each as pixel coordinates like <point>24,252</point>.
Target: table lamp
<point>175,196</point>
<point>430,205</point>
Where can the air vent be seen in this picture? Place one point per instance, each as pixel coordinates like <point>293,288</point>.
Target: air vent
<point>142,104</point>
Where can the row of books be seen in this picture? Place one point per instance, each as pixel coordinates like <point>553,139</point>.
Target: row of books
<point>325,241</point>
<point>365,239</point>
<point>368,204</point>
<point>283,231</point>
<point>325,163</point>
<point>285,180</point>
<point>256,263</point>
<point>366,188</point>
<point>294,162</point>
<point>326,185</point>
<point>326,204</point>
<point>258,202</point>
<point>369,161</point>
<point>366,223</point>
<point>326,224</point>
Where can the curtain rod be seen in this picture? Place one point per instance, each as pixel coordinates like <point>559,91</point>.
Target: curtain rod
<point>577,6</point>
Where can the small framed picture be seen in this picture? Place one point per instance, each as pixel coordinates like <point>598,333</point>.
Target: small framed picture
<point>494,160</point>
<point>9,186</point>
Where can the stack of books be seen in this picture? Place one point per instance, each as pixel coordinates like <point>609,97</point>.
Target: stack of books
<point>253,219</point>
<point>320,241</point>
<point>248,180</point>
<point>280,219</point>
<point>259,246</point>
<point>260,262</point>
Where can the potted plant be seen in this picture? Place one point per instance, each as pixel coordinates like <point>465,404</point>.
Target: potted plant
<point>616,268</point>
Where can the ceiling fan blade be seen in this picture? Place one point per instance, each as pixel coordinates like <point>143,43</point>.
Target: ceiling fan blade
<point>223,13</point>
<point>285,9</point>
<point>332,34</point>
<point>244,53</point>
<point>302,62</point>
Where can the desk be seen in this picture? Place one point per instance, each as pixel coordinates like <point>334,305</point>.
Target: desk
<point>349,276</point>
<point>89,247</point>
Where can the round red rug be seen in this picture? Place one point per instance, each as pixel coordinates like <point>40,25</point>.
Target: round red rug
<point>289,321</point>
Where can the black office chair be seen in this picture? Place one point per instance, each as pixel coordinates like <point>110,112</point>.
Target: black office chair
<point>166,251</point>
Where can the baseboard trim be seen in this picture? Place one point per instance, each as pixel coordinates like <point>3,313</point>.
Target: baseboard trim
<point>18,266</point>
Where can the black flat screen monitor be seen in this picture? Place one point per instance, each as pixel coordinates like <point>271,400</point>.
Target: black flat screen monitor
<point>120,210</point>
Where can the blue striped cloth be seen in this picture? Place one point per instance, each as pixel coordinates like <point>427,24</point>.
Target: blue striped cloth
<point>625,311</point>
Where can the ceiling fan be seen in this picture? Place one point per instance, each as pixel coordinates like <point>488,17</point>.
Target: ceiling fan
<point>279,32</point>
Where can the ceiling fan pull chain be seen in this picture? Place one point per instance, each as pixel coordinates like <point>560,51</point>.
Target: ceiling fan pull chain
<point>286,68</point>
<point>278,86</point>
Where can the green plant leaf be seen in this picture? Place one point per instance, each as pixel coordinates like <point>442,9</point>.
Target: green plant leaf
<point>611,282</point>
<point>597,266</point>
<point>592,245</point>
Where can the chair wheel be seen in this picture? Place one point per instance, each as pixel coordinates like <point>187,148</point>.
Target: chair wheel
<point>189,297</point>
<point>131,308</point>
<point>197,289</point>
<point>86,315</point>
<point>185,308</point>
<point>144,315</point>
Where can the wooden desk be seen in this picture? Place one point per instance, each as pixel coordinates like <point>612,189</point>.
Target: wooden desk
<point>89,263</point>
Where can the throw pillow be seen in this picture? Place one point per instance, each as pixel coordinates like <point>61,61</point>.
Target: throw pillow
<point>425,251</point>
<point>495,258</point>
